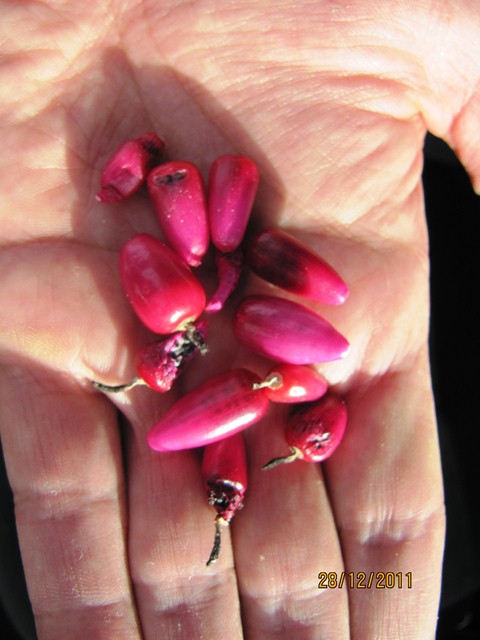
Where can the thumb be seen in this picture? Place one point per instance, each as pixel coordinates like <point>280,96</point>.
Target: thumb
<point>463,136</point>
<point>450,98</point>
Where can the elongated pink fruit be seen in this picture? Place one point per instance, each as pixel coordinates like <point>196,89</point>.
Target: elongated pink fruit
<point>162,290</point>
<point>218,408</point>
<point>285,262</point>
<point>314,431</point>
<point>229,269</point>
<point>224,472</point>
<point>178,195</point>
<point>232,187</point>
<point>286,331</point>
<point>293,383</point>
<point>127,169</point>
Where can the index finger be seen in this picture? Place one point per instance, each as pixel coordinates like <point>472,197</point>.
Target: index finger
<point>63,458</point>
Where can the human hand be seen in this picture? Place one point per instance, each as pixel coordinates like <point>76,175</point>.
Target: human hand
<point>332,101</point>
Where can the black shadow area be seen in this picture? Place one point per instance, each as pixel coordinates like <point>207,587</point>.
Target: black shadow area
<point>453,216</point>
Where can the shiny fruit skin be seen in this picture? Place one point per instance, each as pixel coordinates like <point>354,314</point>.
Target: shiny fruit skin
<point>219,407</point>
<point>232,187</point>
<point>280,259</point>
<point>291,383</point>
<point>285,331</point>
<point>317,429</point>
<point>162,290</point>
<point>229,269</point>
<point>178,194</point>
<point>224,473</point>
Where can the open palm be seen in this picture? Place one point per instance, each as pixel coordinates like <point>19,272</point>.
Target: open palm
<point>333,106</point>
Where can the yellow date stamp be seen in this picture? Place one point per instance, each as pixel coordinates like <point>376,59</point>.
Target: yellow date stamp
<point>363,580</point>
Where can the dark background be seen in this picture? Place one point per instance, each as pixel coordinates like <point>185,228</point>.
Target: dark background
<point>453,214</point>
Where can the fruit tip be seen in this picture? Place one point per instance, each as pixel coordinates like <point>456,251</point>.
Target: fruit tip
<point>213,307</point>
<point>342,296</point>
<point>153,441</point>
<point>346,349</point>
<point>108,194</point>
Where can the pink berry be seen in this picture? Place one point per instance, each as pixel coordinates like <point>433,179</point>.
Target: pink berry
<point>127,170</point>
<point>224,472</point>
<point>229,268</point>
<point>293,383</point>
<point>283,261</point>
<point>285,331</point>
<point>217,408</point>
<point>178,195</point>
<point>159,364</point>
<point>162,290</point>
<point>314,431</point>
<point>232,187</point>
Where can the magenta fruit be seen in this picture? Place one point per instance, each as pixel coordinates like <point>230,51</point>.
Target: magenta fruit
<point>293,383</point>
<point>232,187</point>
<point>178,195</point>
<point>218,408</point>
<point>162,290</point>
<point>127,170</point>
<point>159,364</point>
<point>283,261</point>
<point>229,268</point>
<point>160,367</point>
<point>224,472</point>
<point>315,431</point>
<point>285,331</point>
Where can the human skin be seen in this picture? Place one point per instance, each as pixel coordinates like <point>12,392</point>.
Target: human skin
<point>332,100</point>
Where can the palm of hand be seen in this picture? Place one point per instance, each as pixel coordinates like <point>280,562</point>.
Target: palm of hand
<point>340,159</point>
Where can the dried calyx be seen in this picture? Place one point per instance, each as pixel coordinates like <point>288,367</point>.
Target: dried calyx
<point>227,498</point>
<point>224,473</point>
<point>159,364</point>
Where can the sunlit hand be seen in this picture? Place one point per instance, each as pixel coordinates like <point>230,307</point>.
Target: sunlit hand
<point>332,100</point>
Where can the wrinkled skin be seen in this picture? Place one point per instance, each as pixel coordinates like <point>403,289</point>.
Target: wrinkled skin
<point>332,99</point>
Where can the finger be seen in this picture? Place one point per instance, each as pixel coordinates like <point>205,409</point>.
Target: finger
<point>464,137</point>
<point>283,538</point>
<point>386,488</point>
<point>171,533</point>
<point>451,108</point>
<point>63,457</point>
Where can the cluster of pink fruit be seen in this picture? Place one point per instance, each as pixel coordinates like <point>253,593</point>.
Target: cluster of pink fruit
<point>170,300</point>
